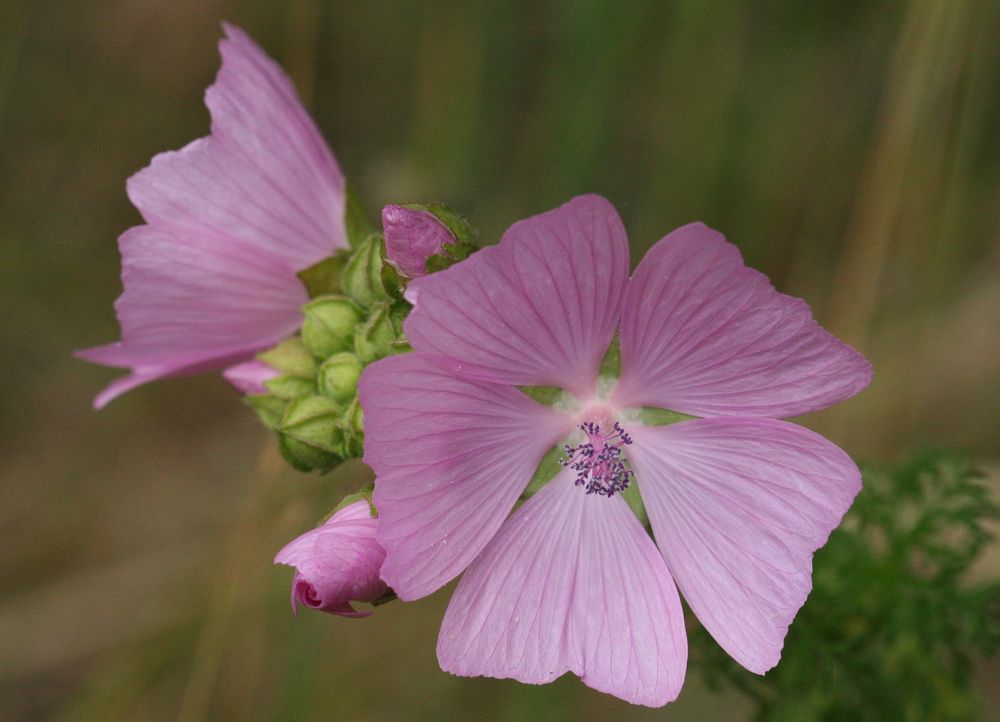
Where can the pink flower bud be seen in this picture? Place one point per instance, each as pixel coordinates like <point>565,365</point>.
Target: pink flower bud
<point>249,376</point>
<point>411,237</point>
<point>337,563</point>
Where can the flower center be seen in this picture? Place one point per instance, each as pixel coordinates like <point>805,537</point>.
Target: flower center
<point>598,462</point>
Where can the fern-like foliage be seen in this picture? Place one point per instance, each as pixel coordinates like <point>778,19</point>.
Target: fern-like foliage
<point>893,625</point>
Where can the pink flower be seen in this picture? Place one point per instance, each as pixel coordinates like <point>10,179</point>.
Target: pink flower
<point>337,563</point>
<point>411,237</point>
<point>230,219</point>
<point>738,501</point>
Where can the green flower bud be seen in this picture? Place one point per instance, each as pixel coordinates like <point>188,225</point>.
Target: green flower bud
<point>290,357</point>
<point>304,457</point>
<point>313,420</point>
<point>329,325</point>
<point>375,339</point>
<point>363,276</point>
<point>338,376</point>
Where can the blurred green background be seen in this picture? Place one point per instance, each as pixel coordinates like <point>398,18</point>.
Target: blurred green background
<point>849,147</point>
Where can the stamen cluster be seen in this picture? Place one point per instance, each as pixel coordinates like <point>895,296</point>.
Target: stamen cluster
<point>598,462</point>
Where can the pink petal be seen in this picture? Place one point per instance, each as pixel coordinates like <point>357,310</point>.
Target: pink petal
<point>264,177</point>
<point>539,309</point>
<point>572,583</point>
<point>191,305</point>
<point>249,377</point>
<point>232,218</point>
<point>738,507</point>
<point>451,457</point>
<point>705,335</point>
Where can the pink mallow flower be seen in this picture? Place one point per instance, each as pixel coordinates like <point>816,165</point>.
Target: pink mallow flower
<point>571,581</point>
<point>210,279</point>
<point>412,235</point>
<point>337,563</point>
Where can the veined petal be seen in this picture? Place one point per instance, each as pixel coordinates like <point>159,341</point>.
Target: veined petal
<point>572,583</point>
<point>738,507</point>
<point>451,457</point>
<point>538,309</point>
<point>232,217</point>
<point>250,377</point>
<point>705,335</point>
<point>264,178</point>
<point>192,304</point>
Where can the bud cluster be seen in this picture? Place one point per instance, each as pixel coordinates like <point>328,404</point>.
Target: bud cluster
<point>354,317</point>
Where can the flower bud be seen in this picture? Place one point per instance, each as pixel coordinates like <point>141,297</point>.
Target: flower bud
<point>329,325</point>
<point>338,376</point>
<point>314,422</point>
<point>412,235</point>
<point>375,339</point>
<point>363,280</point>
<point>249,376</point>
<point>337,563</point>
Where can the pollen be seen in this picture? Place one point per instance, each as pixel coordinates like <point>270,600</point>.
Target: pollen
<point>598,462</point>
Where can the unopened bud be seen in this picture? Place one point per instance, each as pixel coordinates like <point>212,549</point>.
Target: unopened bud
<point>338,376</point>
<point>337,563</point>
<point>329,324</point>
<point>412,235</point>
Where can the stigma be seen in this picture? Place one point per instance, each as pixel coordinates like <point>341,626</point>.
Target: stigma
<point>598,462</point>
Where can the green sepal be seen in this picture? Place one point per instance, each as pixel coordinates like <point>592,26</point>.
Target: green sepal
<point>304,457</point>
<point>364,492</point>
<point>353,431</point>
<point>547,469</point>
<point>363,274</point>
<point>326,276</point>
<point>375,339</point>
<point>611,364</point>
<point>653,416</point>
<point>270,409</point>
<point>328,325</point>
<point>313,420</point>
<point>338,376</point>
<point>290,357</point>
<point>634,499</point>
<point>546,395</point>
<point>359,227</point>
<point>465,234</point>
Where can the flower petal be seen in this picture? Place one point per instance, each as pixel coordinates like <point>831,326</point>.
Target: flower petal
<point>264,178</point>
<point>250,377</point>
<point>571,583</point>
<point>538,309</point>
<point>192,304</point>
<point>451,457</point>
<point>738,507</point>
<point>705,335</point>
<point>231,219</point>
